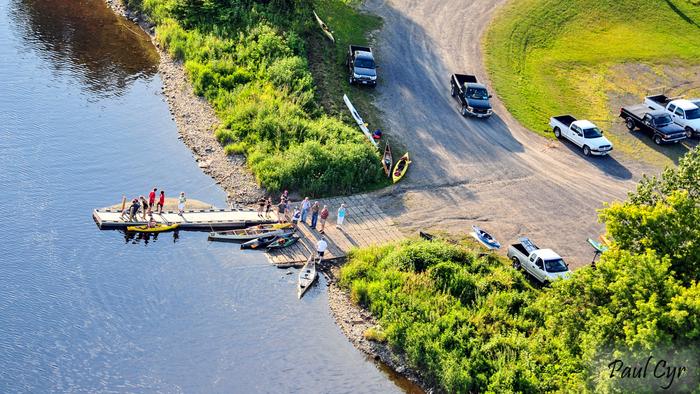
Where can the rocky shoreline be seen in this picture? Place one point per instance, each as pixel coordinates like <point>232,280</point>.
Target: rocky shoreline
<point>196,122</point>
<point>354,320</point>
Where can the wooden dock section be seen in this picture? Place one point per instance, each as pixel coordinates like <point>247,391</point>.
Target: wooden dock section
<point>365,225</point>
<point>193,219</point>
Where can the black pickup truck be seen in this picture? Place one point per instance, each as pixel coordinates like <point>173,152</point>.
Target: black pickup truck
<point>655,122</point>
<point>361,66</point>
<point>472,95</point>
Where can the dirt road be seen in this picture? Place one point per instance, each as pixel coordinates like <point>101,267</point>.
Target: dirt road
<point>492,172</point>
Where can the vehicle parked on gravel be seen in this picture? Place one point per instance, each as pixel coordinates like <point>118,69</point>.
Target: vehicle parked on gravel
<point>655,122</point>
<point>543,264</point>
<point>683,112</point>
<point>583,133</point>
<point>473,96</point>
<point>361,66</point>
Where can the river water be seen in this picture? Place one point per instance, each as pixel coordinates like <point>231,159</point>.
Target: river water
<point>82,121</point>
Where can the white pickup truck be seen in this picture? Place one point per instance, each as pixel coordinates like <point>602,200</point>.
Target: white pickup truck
<point>582,133</point>
<point>684,113</point>
<point>543,264</point>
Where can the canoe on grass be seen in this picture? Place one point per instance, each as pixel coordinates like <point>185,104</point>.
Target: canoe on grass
<point>307,275</point>
<point>246,234</point>
<point>259,243</point>
<point>387,160</point>
<point>401,167</point>
<point>324,27</point>
<point>158,228</point>
<point>485,238</point>
<point>283,242</point>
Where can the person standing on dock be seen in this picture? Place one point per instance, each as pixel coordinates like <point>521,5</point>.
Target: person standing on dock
<point>324,216</point>
<point>144,207</point>
<point>133,209</point>
<point>342,211</point>
<point>321,246</point>
<point>296,216</point>
<point>152,200</point>
<point>268,205</point>
<point>281,207</point>
<point>161,202</point>
<point>314,214</point>
<point>285,196</point>
<point>305,206</point>
<point>181,203</point>
<point>261,206</point>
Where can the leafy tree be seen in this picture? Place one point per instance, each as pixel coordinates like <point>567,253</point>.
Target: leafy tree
<point>663,215</point>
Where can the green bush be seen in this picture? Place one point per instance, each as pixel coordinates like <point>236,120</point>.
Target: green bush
<point>247,59</point>
<point>475,325</point>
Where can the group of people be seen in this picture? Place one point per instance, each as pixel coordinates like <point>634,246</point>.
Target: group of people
<point>146,207</point>
<point>301,213</point>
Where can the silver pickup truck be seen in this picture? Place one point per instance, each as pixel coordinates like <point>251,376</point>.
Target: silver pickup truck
<point>543,264</point>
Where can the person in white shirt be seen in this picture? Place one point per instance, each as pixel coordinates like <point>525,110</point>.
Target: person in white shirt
<point>321,246</point>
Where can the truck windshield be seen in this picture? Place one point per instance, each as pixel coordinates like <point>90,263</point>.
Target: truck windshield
<point>477,93</point>
<point>692,113</point>
<point>364,63</point>
<point>662,120</point>
<point>592,133</point>
<point>555,266</point>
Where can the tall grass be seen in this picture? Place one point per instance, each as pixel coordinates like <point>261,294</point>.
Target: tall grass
<point>249,60</point>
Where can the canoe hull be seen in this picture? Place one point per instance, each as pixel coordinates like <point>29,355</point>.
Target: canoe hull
<point>307,276</point>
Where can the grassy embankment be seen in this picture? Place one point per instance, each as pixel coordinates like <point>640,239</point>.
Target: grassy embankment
<point>473,324</point>
<point>585,57</point>
<point>249,60</point>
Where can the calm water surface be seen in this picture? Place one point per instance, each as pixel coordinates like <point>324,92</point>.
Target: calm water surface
<point>82,121</point>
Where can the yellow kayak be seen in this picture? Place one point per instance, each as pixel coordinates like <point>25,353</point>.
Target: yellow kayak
<point>158,228</point>
<point>401,168</point>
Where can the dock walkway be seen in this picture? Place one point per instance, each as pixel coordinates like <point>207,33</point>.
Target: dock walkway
<point>193,219</point>
<point>365,225</point>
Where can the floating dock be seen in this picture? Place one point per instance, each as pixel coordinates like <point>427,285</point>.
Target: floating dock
<point>193,219</point>
<point>365,225</point>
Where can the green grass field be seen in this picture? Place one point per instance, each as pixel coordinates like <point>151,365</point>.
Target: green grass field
<point>548,57</point>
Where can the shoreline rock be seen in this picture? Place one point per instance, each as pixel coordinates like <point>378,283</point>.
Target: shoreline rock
<point>196,122</point>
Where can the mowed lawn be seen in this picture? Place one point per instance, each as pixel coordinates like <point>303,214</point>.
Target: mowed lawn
<point>550,57</point>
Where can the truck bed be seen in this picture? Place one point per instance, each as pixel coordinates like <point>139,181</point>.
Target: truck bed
<point>355,48</point>
<point>566,120</point>
<point>637,111</point>
<point>464,78</point>
<point>660,99</point>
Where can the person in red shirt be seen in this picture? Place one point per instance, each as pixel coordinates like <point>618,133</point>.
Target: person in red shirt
<point>152,199</point>
<point>161,202</point>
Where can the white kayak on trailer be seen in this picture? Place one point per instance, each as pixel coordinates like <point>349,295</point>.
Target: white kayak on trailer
<point>358,119</point>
